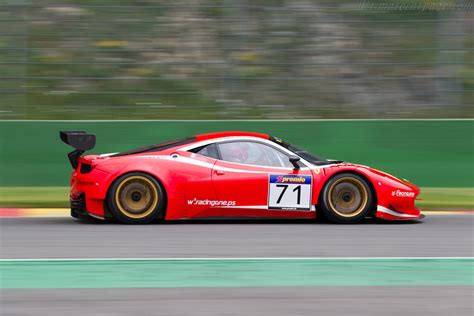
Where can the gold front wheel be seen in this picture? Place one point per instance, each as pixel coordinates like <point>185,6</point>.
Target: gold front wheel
<point>136,198</point>
<point>347,198</point>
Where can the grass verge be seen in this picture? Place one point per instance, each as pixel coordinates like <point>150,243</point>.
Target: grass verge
<point>34,197</point>
<point>432,198</point>
<point>446,198</point>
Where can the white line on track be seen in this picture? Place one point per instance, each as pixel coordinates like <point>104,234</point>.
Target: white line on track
<point>242,258</point>
<point>248,120</point>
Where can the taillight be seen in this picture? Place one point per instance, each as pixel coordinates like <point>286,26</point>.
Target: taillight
<point>85,168</point>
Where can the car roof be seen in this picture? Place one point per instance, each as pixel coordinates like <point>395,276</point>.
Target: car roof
<point>229,134</point>
<point>179,142</point>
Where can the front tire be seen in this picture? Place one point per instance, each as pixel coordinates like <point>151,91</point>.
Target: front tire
<point>346,198</point>
<point>136,198</point>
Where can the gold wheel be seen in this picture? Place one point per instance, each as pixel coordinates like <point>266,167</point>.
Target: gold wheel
<point>348,197</point>
<point>136,197</point>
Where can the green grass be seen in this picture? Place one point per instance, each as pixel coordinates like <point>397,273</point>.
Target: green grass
<point>446,198</point>
<point>34,197</point>
<point>432,198</point>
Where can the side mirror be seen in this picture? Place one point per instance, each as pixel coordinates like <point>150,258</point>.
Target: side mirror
<point>294,161</point>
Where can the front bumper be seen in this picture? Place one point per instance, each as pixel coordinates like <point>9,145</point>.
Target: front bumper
<point>394,215</point>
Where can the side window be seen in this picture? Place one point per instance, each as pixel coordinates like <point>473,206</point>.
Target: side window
<point>207,150</point>
<point>253,153</point>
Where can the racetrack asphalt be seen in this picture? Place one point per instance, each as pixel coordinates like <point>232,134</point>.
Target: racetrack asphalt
<point>354,301</point>
<point>435,236</point>
<point>443,235</point>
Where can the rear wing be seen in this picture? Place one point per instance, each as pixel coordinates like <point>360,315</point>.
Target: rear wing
<point>80,140</point>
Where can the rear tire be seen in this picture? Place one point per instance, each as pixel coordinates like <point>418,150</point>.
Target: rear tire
<point>136,198</point>
<point>346,198</point>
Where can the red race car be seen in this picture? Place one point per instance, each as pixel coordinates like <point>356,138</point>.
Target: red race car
<point>229,175</point>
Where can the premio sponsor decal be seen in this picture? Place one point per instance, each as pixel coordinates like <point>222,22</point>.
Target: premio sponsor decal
<point>290,179</point>
<point>289,192</point>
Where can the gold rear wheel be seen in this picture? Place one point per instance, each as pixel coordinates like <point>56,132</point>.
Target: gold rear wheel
<point>136,198</point>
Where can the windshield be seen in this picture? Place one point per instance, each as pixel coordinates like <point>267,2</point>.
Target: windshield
<point>300,152</point>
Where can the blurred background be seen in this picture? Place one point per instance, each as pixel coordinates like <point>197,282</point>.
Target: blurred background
<point>383,83</point>
<point>406,64</point>
<point>153,59</point>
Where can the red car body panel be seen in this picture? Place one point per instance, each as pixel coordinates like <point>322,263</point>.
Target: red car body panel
<point>198,186</point>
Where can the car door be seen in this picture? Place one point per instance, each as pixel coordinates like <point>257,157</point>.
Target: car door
<point>200,196</point>
<point>254,179</point>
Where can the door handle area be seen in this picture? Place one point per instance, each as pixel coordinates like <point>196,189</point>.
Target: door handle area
<point>219,173</point>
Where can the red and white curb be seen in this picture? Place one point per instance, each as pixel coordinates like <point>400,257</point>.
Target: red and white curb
<point>35,212</point>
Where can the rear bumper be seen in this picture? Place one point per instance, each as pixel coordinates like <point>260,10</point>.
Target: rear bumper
<point>90,188</point>
<point>78,207</point>
<point>79,210</point>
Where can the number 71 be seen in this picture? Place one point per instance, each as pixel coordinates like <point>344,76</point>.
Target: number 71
<point>285,187</point>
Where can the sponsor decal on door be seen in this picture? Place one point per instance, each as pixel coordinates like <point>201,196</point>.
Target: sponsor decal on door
<point>289,192</point>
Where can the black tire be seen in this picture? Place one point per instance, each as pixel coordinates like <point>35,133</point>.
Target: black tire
<point>136,198</point>
<point>346,198</point>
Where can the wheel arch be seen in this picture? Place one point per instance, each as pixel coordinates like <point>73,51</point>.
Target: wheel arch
<point>121,174</point>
